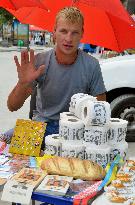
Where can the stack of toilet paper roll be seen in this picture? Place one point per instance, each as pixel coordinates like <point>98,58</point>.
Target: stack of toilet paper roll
<point>84,126</point>
<point>87,131</point>
<point>71,131</point>
<point>96,116</point>
<point>71,128</point>
<point>117,135</point>
<point>96,143</point>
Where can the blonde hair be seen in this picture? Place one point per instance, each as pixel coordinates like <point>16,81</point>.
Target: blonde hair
<point>71,14</point>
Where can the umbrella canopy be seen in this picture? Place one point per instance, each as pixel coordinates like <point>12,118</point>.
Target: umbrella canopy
<point>101,27</point>
<point>16,4</point>
<point>108,31</point>
<point>113,7</point>
<point>34,16</point>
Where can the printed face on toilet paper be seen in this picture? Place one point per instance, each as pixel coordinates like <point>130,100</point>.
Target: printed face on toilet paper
<point>100,114</point>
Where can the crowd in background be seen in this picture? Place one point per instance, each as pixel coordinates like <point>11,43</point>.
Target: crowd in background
<point>40,38</point>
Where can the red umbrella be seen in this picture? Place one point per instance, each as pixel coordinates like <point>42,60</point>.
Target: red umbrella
<point>16,4</point>
<point>34,16</point>
<point>108,31</point>
<point>101,27</point>
<point>114,7</point>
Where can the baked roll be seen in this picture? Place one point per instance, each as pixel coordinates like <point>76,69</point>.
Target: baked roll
<point>75,167</point>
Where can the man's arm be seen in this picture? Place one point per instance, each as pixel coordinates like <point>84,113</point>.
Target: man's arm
<point>101,97</point>
<point>18,96</point>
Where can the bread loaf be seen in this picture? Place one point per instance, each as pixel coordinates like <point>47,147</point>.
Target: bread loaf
<point>75,167</point>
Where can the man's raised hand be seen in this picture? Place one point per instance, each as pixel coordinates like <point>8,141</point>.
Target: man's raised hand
<point>27,72</point>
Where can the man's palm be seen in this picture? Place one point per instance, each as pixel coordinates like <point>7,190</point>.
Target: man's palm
<point>27,72</point>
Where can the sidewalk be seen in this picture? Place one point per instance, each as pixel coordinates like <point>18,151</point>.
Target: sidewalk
<point>7,82</point>
<point>18,49</point>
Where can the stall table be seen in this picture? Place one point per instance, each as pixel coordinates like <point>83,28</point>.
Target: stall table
<point>58,200</point>
<point>52,199</point>
<point>104,201</point>
<point>49,199</point>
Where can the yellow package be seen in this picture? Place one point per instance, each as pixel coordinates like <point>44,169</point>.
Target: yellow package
<point>27,137</point>
<point>40,159</point>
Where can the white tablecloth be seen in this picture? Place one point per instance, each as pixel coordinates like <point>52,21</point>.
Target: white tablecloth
<point>102,200</point>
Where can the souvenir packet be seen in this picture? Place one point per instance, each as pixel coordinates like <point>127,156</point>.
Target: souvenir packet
<point>17,162</point>
<point>29,176</point>
<point>27,137</point>
<point>55,185</point>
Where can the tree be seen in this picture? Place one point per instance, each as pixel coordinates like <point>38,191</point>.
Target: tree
<point>5,16</point>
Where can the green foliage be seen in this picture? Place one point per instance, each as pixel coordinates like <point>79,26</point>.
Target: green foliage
<point>5,16</point>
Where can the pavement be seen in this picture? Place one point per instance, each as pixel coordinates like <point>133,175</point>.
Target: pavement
<point>8,79</point>
<point>18,49</point>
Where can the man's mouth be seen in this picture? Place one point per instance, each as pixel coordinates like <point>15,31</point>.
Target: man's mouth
<point>68,46</point>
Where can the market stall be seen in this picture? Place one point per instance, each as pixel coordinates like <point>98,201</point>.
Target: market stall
<point>80,163</point>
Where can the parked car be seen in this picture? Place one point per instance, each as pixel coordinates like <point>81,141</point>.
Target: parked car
<point>119,78</point>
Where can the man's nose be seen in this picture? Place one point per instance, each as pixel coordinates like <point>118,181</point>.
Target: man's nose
<point>69,37</point>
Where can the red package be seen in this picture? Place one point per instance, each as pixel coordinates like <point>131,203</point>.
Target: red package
<point>83,197</point>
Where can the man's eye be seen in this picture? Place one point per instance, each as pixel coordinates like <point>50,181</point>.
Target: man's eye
<point>63,31</point>
<point>75,32</point>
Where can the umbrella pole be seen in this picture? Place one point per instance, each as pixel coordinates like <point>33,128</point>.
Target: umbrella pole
<point>28,47</point>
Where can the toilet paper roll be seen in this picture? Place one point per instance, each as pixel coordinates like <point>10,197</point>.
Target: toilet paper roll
<point>117,130</point>
<point>71,129</point>
<point>96,135</point>
<point>121,149</point>
<point>80,103</point>
<point>96,113</point>
<point>74,99</point>
<point>98,154</point>
<point>67,115</point>
<point>77,101</point>
<point>72,149</point>
<point>52,144</point>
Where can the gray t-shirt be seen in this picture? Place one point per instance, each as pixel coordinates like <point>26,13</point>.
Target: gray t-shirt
<point>60,82</point>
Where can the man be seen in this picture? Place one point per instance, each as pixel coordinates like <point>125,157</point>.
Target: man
<point>60,72</point>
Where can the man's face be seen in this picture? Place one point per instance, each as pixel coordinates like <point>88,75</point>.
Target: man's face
<point>67,36</point>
